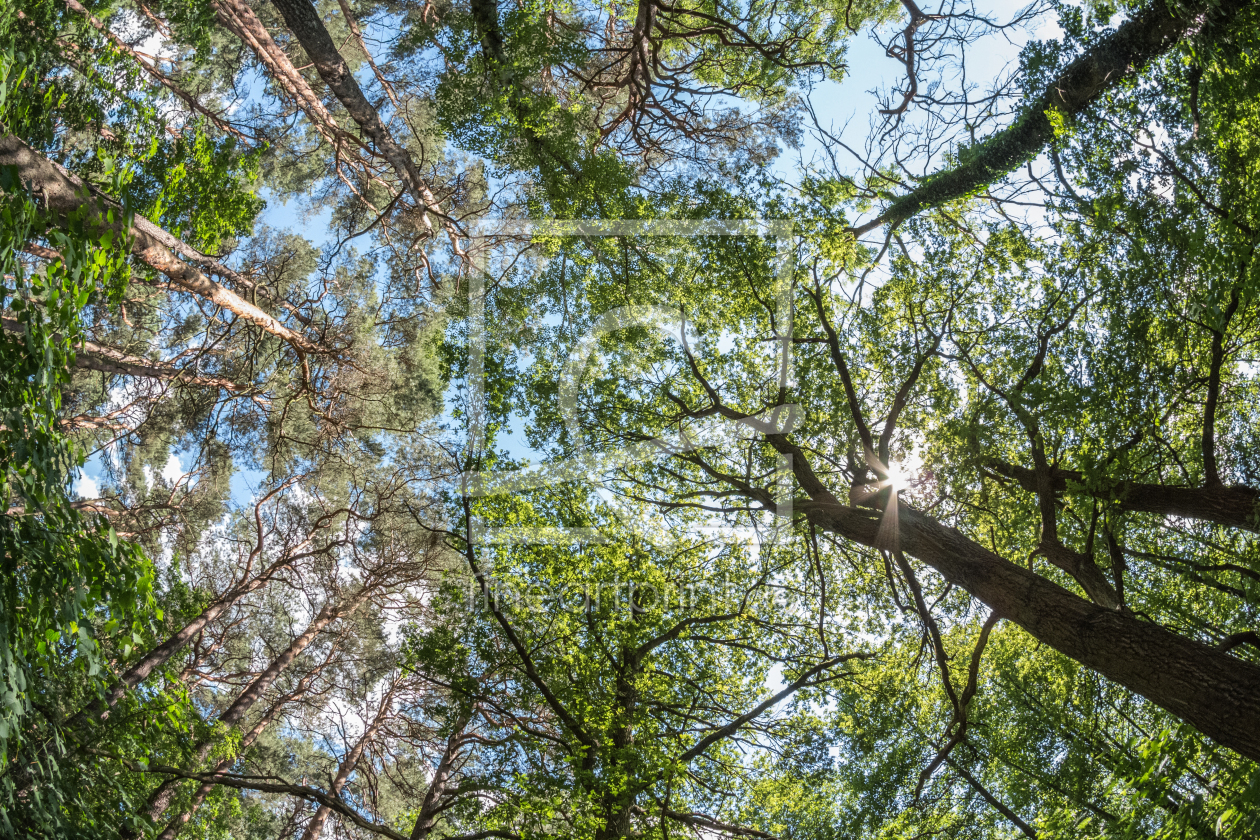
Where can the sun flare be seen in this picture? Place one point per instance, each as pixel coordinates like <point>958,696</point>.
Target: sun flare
<point>898,478</point>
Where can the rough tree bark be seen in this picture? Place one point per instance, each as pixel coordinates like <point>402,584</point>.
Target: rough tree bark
<point>1217,693</point>
<point>304,22</point>
<point>1233,507</point>
<point>239,19</point>
<point>63,193</point>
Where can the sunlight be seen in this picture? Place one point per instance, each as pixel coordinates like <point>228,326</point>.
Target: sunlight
<point>898,478</point>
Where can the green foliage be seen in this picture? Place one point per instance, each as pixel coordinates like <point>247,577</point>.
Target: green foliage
<point>75,594</point>
<point>201,190</point>
<point>66,578</point>
<point>626,669</point>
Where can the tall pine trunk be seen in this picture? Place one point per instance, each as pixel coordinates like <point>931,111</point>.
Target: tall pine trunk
<point>160,800</point>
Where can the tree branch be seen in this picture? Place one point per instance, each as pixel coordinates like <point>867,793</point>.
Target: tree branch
<point>1148,34</point>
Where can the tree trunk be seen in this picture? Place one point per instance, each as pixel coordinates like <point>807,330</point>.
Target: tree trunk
<point>92,356</point>
<point>161,798</point>
<point>175,826</point>
<point>238,18</point>
<point>99,709</point>
<point>304,22</point>
<point>61,192</point>
<point>155,658</point>
<point>1217,693</point>
<point>427,819</point>
<point>315,827</point>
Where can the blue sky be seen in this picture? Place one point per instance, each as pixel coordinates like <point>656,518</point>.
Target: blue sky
<point>845,108</point>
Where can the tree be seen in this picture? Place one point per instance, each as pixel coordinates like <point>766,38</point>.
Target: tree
<point>928,509</point>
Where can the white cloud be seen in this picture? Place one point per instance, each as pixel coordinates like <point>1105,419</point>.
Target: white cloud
<point>157,46</point>
<point>85,487</point>
<point>173,471</point>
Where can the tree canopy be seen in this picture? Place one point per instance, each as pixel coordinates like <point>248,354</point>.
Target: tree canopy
<point>448,420</point>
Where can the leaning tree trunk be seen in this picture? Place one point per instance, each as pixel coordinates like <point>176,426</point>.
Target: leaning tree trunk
<point>315,827</point>
<point>175,826</point>
<point>1213,691</point>
<point>161,798</point>
<point>99,709</point>
<point>88,355</point>
<point>157,657</point>
<point>431,808</point>
<point>304,22</point>
<point>1233,507</point>
<point>63,193</point>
